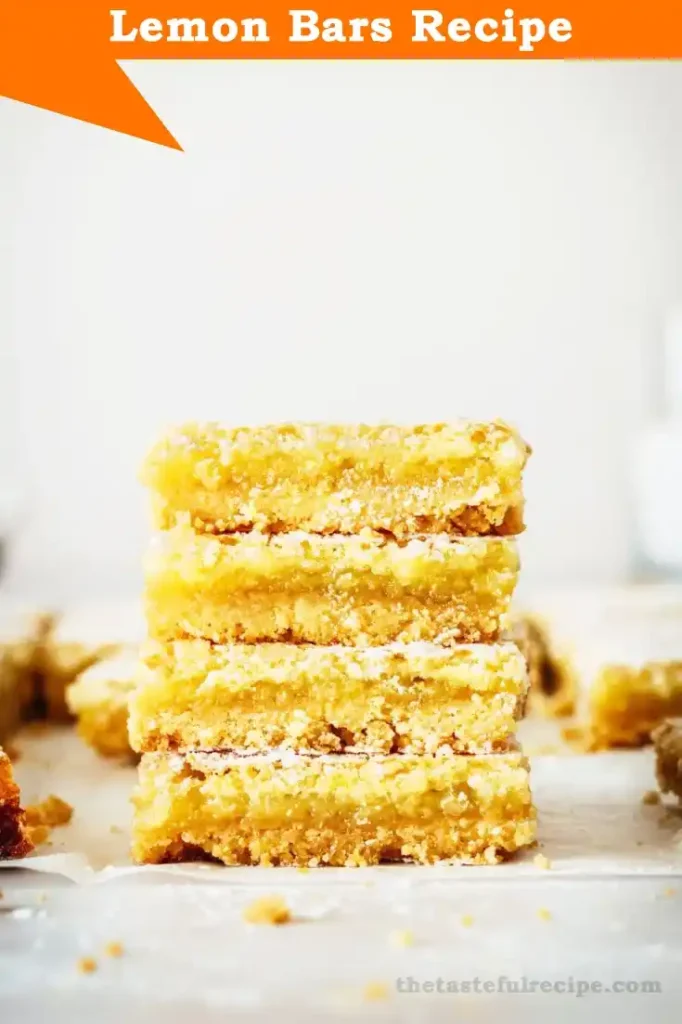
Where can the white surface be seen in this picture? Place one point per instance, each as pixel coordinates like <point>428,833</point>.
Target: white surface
<point>410,240</point>
<point>614,892</point>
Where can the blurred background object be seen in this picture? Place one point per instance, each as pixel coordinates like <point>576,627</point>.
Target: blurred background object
<point>658,465</point>
<point>409,241</point>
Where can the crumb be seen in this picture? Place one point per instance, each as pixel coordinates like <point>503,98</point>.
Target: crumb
<point>578,736</point>
<point>113,949</point>
<point>544,914</point>
<point>374,991</point>
<point>401,937</point>
<point>87,965</point>
<point>38,834</point>
<point>668,893</point>
<point>541,861</point>
<point>267,910</point>
<point>303,870</point>
<point>467,920</point>
<point>652,796</point>
<point>115,830</point>
<point>50,812</point>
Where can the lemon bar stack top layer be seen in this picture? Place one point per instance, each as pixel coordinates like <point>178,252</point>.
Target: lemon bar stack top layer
<point>306,588</point>
<point>460,477</point>
<point>346,810</point>
<point>411,698</point>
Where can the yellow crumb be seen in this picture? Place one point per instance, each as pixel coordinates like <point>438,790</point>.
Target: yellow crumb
<point>115,830</point>
<point>113,949</point>
<point>667,893</point>
<point>401,937</point>
<point>467,920</point>
<point>87,965</point>
<point>652,796</point>
<point>51,812</point>
<point>38,834</point>
<point>267,910</point>
<point>578,736</point>
<point>303,870</point>
<point>374,991</point>
<point>544,914</point>
<point>541,861</point>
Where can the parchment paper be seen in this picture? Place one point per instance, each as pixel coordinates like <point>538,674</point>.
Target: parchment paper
<point>591,818</point>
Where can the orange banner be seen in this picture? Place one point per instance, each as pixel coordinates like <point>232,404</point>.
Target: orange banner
<point>63,56</point>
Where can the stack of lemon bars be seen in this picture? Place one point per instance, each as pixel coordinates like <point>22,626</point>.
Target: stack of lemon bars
<point>324,681</point>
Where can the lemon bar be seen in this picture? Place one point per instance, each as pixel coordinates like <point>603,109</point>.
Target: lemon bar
<point>627,703</point>
<point>306,588</point>
<point>552,675</point>
<point>668,744</point>
<point>14,840</point>
<point>81,638</point>
<point>411,698</point>
<point>22,638</point>
<point>352,810</point>
<point>460,477</point>
<point>98,699</point>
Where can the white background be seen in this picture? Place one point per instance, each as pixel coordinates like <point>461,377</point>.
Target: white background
<point>409,241</point>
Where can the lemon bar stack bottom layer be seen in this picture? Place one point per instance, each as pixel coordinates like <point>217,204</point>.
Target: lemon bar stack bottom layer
<point>347,810</point>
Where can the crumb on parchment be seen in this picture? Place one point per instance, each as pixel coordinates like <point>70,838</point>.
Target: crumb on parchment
<point>467,920</point>
<point>87,965</point>
<point>267,910</point>
<point>114,949</point>
<point>544,914</point>
<point>652,796</point>
<point>401,937</point>
<point>375,991</point>
<point>41,818</point>
<point>51,812</point>
<point>542,861</point>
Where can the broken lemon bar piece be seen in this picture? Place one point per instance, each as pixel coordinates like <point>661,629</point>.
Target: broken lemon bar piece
<point>98,699</point>
<point>14,839</point>
<point>668,745</point>
<point>552,676</point>
<point>352,810</point>
<point>627,703</point>
<point>459,478</point>
<point>414,698</point>
<point>306,588</point>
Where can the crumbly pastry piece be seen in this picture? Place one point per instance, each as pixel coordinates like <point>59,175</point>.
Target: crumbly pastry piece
<point>22,639</point>
<point>459,477</point>
<point>415,698</point>
<point>339,810</point>
<point>305,588</point>
<point>99,698</point>
<point>553,678</point>
<point>626,704</point>
<point>81,638</point>
<point>14,840</point>
<point>668,744</point>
